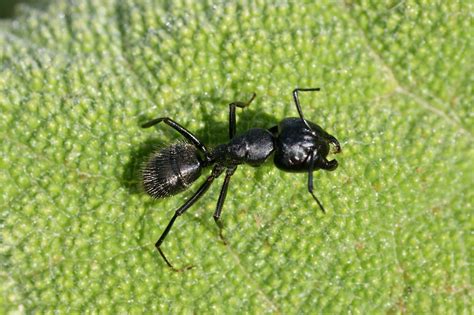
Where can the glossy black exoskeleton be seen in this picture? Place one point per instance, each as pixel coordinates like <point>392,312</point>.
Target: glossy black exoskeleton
<point>297,145</point>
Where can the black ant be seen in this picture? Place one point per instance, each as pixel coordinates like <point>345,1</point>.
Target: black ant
<point>298,145</point>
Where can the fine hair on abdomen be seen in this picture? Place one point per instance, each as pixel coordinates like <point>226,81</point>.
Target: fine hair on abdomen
<point>171,170</point>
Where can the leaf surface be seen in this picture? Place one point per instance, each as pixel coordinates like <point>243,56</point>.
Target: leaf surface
<point>78,78</point>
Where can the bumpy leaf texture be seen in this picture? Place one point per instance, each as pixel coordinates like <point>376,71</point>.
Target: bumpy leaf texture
<point>77,78</point>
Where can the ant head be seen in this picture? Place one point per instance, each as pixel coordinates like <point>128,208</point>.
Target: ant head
<point>303,146</point>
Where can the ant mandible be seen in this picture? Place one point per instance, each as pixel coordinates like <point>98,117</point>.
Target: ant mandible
<point>298,145</point>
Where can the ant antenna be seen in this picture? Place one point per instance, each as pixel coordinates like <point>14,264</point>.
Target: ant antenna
<point>298,106</point>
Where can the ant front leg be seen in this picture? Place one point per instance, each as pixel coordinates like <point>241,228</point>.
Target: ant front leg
<point>232,106</point>
<point>220,201</point>
<point>310,181</point>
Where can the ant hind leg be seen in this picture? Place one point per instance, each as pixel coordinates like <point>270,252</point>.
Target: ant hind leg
<point>198,194</point>
<point>183,131</point>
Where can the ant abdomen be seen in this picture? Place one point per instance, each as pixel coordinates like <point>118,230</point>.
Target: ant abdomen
<point>171,170</point>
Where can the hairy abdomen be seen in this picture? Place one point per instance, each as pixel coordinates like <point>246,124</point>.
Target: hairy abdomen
<point>171,170</point>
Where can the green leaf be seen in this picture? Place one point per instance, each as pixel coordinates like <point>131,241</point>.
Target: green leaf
<point>77,79</point>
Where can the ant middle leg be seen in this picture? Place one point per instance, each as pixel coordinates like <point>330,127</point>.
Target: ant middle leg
<point>216,171</point>
<point>183,131</point>
<point>220,201</point>
<point>232,106</point>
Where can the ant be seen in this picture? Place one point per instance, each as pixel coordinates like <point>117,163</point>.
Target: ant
<point>297,144</point>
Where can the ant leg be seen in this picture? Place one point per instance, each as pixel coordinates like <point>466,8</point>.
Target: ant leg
<point>198,194</point>
<point>183,131</point>
<point>220,201</point>
<point>310,182</point>
<point>232,106</point>
<point>297,102</point>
